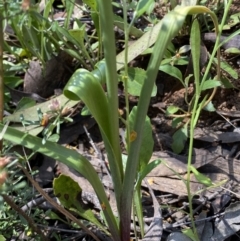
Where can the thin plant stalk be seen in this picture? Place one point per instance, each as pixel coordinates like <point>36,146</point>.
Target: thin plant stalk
<point>108,40</point>
<point>126,33</point>
<point>195,113</point>
<point>1,74</point>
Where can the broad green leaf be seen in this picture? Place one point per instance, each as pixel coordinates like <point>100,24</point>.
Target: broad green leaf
<point>210,84</point>
<point>228,69</point>
<point>142,7</point>
<point>203,179</point>
<point>84,86</point>
<point>172,71</point>
<point>179,139</point>
<point>147,141</point>
<point>69,193</point>
<point>136,78</point>
<point>172,109</point>
<point>210,107</point>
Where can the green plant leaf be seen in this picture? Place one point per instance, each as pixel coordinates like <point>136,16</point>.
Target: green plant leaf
<point>228,69</point>
<point>203,179</point>
<point>210,84</point>
<point>147,142</point>
<point>147,169</point>
<point>137,191</point>
<point>184,49</point>
<point>136,78</point>
<point>133,31</point>
<point>69,193</point>
<point>179,139</point>
<point>83,85</point>
<point>195,41</point>
<point>91,3</point>
<point>232,51</point>
<point>142,7</point>
<point>172,71</point>
<point>227,83</point>
<point>210,107</point>
<point>176,121</point>
<point>25,103</point>
<point>172,109</point>
<point>2,238</point>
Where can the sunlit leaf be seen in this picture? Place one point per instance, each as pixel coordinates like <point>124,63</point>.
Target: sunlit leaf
<point>203,179</point>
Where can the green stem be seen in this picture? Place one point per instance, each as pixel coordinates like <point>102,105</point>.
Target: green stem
<point>1,74</point>
<point>108,40</point>
<point>195,113</point>
<point>126,32</point>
